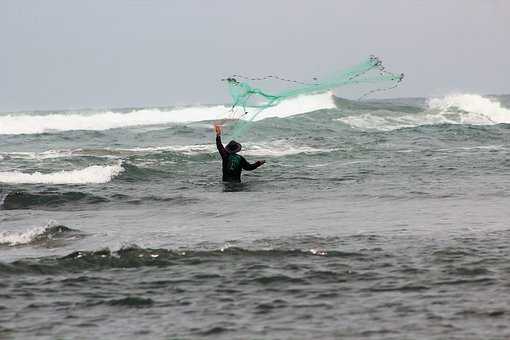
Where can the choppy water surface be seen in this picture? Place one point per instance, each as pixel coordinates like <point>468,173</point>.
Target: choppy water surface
<point>381,219</point>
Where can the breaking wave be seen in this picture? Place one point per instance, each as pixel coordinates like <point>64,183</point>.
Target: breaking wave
<point>36,235</point>
<point>91,175</point>
<point>474,109</point>
<point>471,109</point>
<point>33,124</point>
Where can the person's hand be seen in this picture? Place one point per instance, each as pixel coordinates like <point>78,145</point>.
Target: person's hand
<point>261,163</point>
<point>217,128</point>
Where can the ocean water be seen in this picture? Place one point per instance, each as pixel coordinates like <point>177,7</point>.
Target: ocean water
<point>381,219</point>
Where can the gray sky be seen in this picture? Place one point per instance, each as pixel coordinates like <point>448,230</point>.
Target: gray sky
<point>120,53</point>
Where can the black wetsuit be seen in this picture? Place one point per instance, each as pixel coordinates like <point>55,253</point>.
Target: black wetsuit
<point>233,163</point>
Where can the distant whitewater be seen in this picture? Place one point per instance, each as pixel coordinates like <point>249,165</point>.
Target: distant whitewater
<point>471,109</point>
<point>54,122</point>
<point>453,109</point>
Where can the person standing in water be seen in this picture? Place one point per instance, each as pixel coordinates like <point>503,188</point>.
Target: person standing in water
<point>233,163</point>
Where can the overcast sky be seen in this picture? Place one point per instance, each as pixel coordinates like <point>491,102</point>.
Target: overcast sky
<point>120,53</point>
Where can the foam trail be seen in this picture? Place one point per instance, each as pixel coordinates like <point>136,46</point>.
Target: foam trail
<point>273,148</point>
<point>89,175</point>
<point>281,148</point>
<point>32,124</point>
<point>50,154</point>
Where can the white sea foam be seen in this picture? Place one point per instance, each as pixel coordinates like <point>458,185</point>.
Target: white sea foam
<point>30,124</point>
<point>274,148</point>
<point>299,105</point>
<point>14,238</point>
<point>281,148</point>
<point>369,121</point>
<point>36,155</point>
<point>470,109</point>
<point>476,109</point>
<point>91,174</point>
<point>194,149</point>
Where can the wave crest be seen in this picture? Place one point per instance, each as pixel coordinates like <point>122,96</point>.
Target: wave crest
<point>32,124</point>
<point>475,109</point>
<point>133,256</point>
<point>35,235</point>
<point>94,174</point>
<point>471,109</point>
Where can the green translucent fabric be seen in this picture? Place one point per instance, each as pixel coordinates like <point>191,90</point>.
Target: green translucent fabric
<point>254,100</point>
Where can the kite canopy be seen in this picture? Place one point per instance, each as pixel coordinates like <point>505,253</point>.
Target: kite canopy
<point>253,100</point>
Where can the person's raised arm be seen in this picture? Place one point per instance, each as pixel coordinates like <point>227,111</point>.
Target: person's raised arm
<point>223,152</point>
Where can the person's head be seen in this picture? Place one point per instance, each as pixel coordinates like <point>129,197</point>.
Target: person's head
<point>233,147</point>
